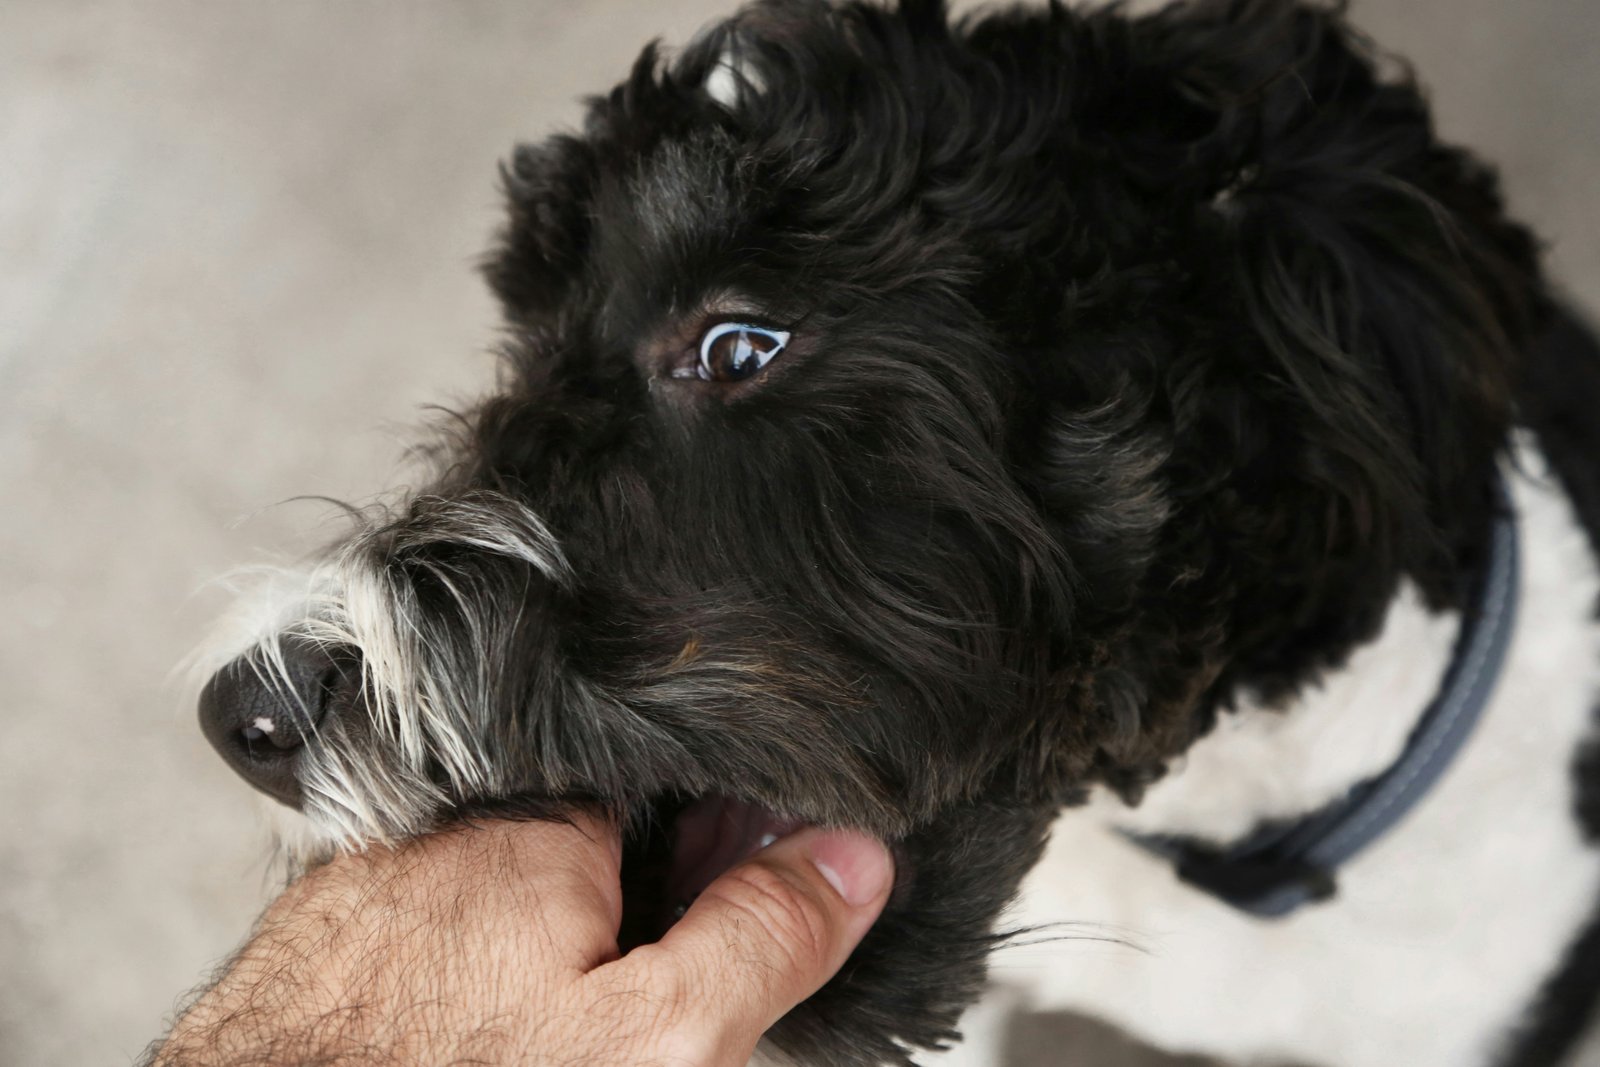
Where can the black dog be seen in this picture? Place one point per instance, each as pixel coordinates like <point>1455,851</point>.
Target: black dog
<point>924,427</point>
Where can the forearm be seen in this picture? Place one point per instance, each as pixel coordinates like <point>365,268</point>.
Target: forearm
<point>498,945</point>
<point>395,958</point>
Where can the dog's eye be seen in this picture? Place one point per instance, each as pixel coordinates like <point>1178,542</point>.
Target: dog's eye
<point>733,351</point>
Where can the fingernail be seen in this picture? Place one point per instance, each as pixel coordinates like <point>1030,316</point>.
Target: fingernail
<point>857,866</point>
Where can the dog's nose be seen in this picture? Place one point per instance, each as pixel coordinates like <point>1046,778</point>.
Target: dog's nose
<point>258,716</point>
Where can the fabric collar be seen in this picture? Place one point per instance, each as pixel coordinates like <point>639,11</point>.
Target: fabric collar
<point>1284,866</point>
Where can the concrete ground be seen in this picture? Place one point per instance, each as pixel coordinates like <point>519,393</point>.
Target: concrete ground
<point>236,247</point>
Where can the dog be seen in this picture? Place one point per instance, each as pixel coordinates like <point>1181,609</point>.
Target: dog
<point>1093,452</point>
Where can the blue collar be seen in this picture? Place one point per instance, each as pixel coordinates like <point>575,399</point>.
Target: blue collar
<point>1282,866</point>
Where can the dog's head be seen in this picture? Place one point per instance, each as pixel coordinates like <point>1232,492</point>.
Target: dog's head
<point>907,427</point>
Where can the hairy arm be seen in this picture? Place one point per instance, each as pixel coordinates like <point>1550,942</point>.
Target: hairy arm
<point>497,944</point>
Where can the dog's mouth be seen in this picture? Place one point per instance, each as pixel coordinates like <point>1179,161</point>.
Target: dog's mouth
<point>681,849</point>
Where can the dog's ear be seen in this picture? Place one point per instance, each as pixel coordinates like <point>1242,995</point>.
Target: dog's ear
<point>1382,290</point>
<point>542,245</point>
<point>1344,306</point>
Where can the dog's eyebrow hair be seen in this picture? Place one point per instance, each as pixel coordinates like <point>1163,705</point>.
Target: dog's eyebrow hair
<point>490,520</point>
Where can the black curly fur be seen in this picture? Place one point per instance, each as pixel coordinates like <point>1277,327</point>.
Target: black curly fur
<point>1141,359</point>
<point>1135,362</point>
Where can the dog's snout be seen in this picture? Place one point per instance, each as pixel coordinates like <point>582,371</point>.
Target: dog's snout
<point>259,714</point>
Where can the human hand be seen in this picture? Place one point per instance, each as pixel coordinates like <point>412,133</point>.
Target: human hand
<point>497,944</point>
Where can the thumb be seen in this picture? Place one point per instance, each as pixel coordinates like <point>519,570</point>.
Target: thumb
<point>769,932</point>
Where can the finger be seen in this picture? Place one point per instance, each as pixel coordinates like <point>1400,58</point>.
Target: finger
<point>769,932</point>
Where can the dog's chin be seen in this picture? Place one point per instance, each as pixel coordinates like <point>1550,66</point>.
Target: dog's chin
<point>680,848</point>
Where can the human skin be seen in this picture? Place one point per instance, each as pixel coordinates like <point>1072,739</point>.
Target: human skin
<point>496,943</point>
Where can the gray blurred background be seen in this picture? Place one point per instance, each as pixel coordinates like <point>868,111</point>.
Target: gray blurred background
<point>236,251</point>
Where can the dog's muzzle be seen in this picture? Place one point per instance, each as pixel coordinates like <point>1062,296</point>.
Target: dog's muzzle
<point>258,715</point>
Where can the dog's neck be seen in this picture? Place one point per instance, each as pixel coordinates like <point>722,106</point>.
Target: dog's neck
<point>1262,764</point>
<point>1490,875</point>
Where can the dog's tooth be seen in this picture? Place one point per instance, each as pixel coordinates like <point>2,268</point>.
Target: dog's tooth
<point>766,839</point>
<point>679,911</point>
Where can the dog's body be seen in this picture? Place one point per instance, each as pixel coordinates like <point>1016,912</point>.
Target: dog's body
<point>934,429</point>
<point>1442,936</point>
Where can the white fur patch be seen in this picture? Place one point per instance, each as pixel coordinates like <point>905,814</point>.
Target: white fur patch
<point>733,77</point>
<point>1269,763</point>
<point>1441,932</point>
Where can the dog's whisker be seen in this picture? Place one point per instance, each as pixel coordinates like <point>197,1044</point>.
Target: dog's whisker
<point>1065,931</point>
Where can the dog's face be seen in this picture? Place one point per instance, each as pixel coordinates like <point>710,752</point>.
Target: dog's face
<point>873,449</point>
